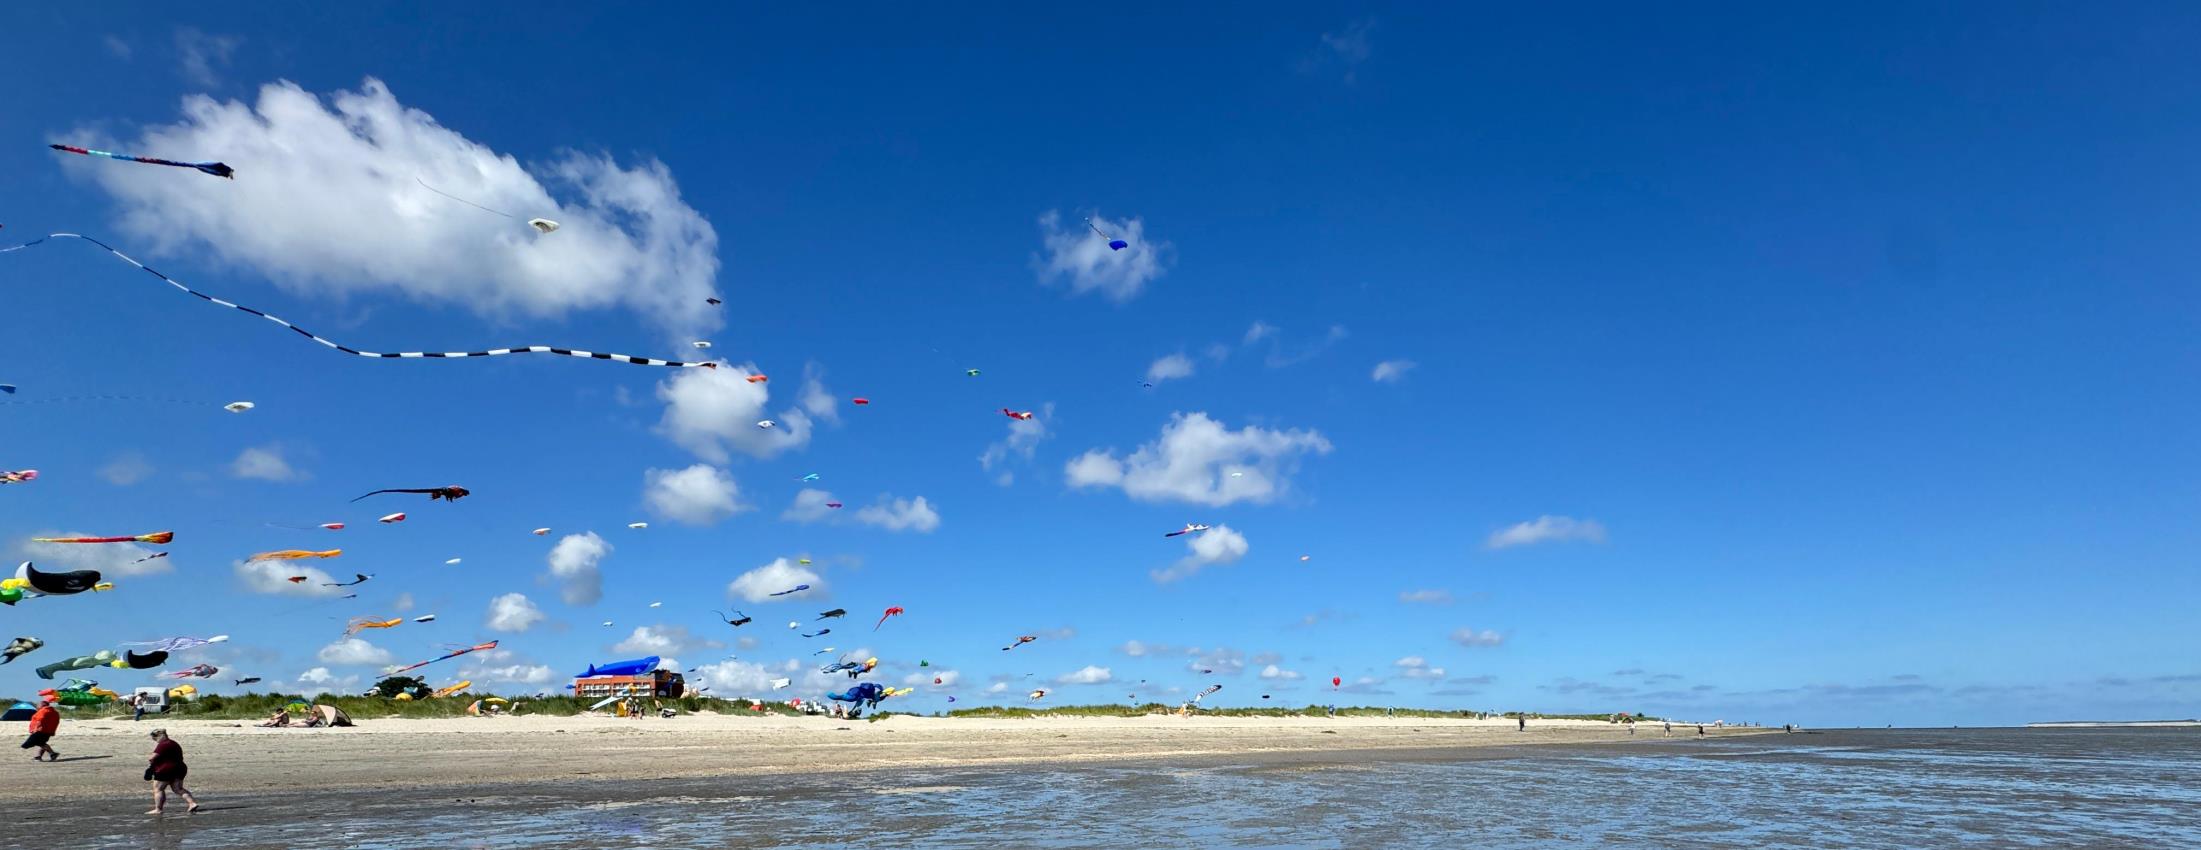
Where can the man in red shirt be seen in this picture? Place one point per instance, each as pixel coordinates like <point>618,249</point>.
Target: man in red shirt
<point>44,723</point>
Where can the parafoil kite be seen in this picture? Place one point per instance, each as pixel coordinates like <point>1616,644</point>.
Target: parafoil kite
<point>196,671</point>
<point>837,612</point>
<point>436,355</point>
<point>453,654</point>
<point>767,424</point>
<point>971,372</point>
<point>890,612</point>
<point>215,168</point>
<point>1020,641</point>
<point>144,661</point>
<point>737,621</point>
<point>19,647</point>
<point>811,477</point>
<point>1190,528</point>
<point>1019,415</point>
<point>540,532</point>
<point>449,562</point>
<point>294,555</point>
<point>392,518</point>
<point>638,525</point>
<point>158,538</point>
<point>792,624</point>
<point>361,623</point>
<point>452,493</point>
<point>1114,244</point>
<point>796,589</point>
<point>657,604</point>
<point>701,343</point>
<point>859,400</point>
<point>357,578</point>
<point>18,477</point>
<point>951,699</point>
<point>713,301</point>
<point>803,561</point>
<point>780,684</point>
<point>296,579</point>
<point>756,379</point>
<point>176,644</point>
<point>607,622</point>
<point>239,406</point>
<point>833,505</point>
<point>333,526</point>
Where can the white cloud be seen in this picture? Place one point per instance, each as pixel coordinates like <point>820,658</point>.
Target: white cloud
<point>573,562</point>
<point>353,651</point>
<point>1169,368</point>
<point>368,225</point>
<point>698,495</point>
<point>126,469</point>
<point>713,412</point>
<point>512,612</point>
<point>1279,358</point>
<point>403,603</point>
<point>1546,529</point>
<point>317,681</point>
<point>201,56</point>
<point>662,639</point>
<point>1199,461</point>
<point>733,678</point>
<point>814,399</point>
<point>1218,545</point>
<point>1472,638</point>
<point>1414,667</point>
<point>1139,649</point>
<point>264,463</point>
<point>1392,371</point>
<point>116,46</point>
<point>746,642</point>
<point>1073,252</point>
<point>924,678</point>
<point>998,688</point>
<point>1259,331</point>
<point>809,506</point>
<point>518,674</point>
<point>1088,675</point>
<point>1276,673</point>
<point>895,514</point>
<point>1222,661</point>
<point>759,584</point>
<point>275,577</point>
<point>1426,597</point>
<point>1024,438</point>
<point>110,559</point>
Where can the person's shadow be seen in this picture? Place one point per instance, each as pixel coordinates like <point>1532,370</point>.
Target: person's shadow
<point>79,758</point>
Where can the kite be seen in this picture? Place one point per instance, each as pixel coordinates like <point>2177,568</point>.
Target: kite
<point>1196,698</point>
<point>922,663</point>
<point>156,538</point>
<point>1264,696</point>
<point>541,225</point>
<point>333,526</point>
<point>1335,681</point>
<point>7,388</point>
<point>1020,642</point>
<point>248,680</point>
<point>452,561</point>
<point>657,604</point>
<point>865,695</point>
<point>936,680</point>
<point>196,671</point>
<point>890,612</point>
<point>638,525</point>
<point>833,505</point>
<point>818,653</point>
<point>150,557</point>
<point>19,647</point>
<point>101,658</point>
<point>215,168</point>
<point>837,612</point>
<point>452,493</point>
<point>296,579</point>
<point>757,379</point>
<point>425,618</point>
<point>1114,244</point>
<point>739,620</point>
<point>818,633</point>
<point>392,518</point>
<point>701,343</point>
<point>859,400</point>
<point>177,644</point>
<point>713,301</point>
<point>294,555</point>
<point>1190,527</point>
<point>540,532</point>
<point>803,561</point>
<point>1018,415</point>
<point>360,623</point>
<point>457,688</point>
<point>392,355</point>
<point>145,661</point>
<point>796,589</point>
<point>777,684</point>
<point>20,477</point>
<point>607,622</point>
<point>849,667</point>
<point>1306,557</point>
<point>453,654</point>
<point>793,625</point>
<point>357,578</point>
<point>971,372</point>
<point>238,406</point>
<point>811,477</point>
<point>1037,693</point>
<point>28,581</point>
<point>767,424</point>
<point>1237,475</point>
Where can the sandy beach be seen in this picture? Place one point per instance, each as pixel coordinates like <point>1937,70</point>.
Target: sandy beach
<point>105,758</point>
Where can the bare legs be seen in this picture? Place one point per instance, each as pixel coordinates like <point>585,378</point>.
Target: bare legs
<point>160,797</point>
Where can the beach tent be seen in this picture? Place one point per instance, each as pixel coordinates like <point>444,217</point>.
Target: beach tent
<point>333,716</point>
<point>19,712</point>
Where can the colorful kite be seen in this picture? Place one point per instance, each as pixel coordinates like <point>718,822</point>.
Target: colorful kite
<point>452,493</point>
<point>150,557</point>
<point>19,647</point>
<point>357,578</point>
<point>1114,244</point>
<point>1190,528</point>
<point>890,612</point>
<point>177,644</point>
<point>756,379</point>
<point>157,538</point>
<point>1018,415</point>
<point>361,623</point>
<point>767,424</point>
<point>1037,693</point>
<point>20,477</point>
<point>294,555</point>
<point>1020,642</point>
<point>796,589</point>
<point>196,671</point>
<point>215,168</point>
<point>408,355</point>
<point>540,532</point>
<point>453,654</point>
<point>333,526</point>
<point>101,658</point>
<point>392,518</point>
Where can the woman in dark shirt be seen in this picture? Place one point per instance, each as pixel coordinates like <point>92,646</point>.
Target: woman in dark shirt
<point>167,770</point>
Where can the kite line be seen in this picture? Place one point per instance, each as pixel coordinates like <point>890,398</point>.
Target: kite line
<point>493,352</point>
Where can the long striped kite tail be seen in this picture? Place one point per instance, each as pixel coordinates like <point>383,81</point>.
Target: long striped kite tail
<point>434,355</point>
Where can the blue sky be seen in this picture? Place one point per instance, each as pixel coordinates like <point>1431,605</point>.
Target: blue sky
<point>1847,351</point>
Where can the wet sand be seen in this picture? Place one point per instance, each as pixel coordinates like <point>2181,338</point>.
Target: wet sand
<point>104,760</point>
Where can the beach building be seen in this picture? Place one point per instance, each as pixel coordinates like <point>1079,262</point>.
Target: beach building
<point>656,683</point>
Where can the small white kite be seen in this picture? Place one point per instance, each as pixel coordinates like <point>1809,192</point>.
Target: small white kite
<point>238,406</point>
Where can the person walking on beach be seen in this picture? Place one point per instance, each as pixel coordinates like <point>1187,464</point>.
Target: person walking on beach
<point>1669,727</point>
<point>167,770</point>
<point>1523,718</point>
<point>137,707</point>
<point>44,723</point>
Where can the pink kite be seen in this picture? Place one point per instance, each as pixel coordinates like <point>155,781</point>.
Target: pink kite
<point>883,617</point>
<point>392,518</point>
<point>1019,415</point>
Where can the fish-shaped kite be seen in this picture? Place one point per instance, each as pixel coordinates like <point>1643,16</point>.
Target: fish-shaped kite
<point>215,168</point>
<point>247,680</point>
<point>294,555</point>
<point>157,538</point>
<point>150,557</point>
<point>23,476</point>
<point>18,647</point>
<point>818,633</point>
<point>796,589</point>
<point>196,671</point>
<point>1020,641</point>
<point>448,494</point>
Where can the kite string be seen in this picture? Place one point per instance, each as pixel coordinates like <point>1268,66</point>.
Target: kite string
<point>494,352</point>
<point>424,185</point>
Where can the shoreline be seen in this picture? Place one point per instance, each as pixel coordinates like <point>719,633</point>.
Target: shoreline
<point>104,758</point>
